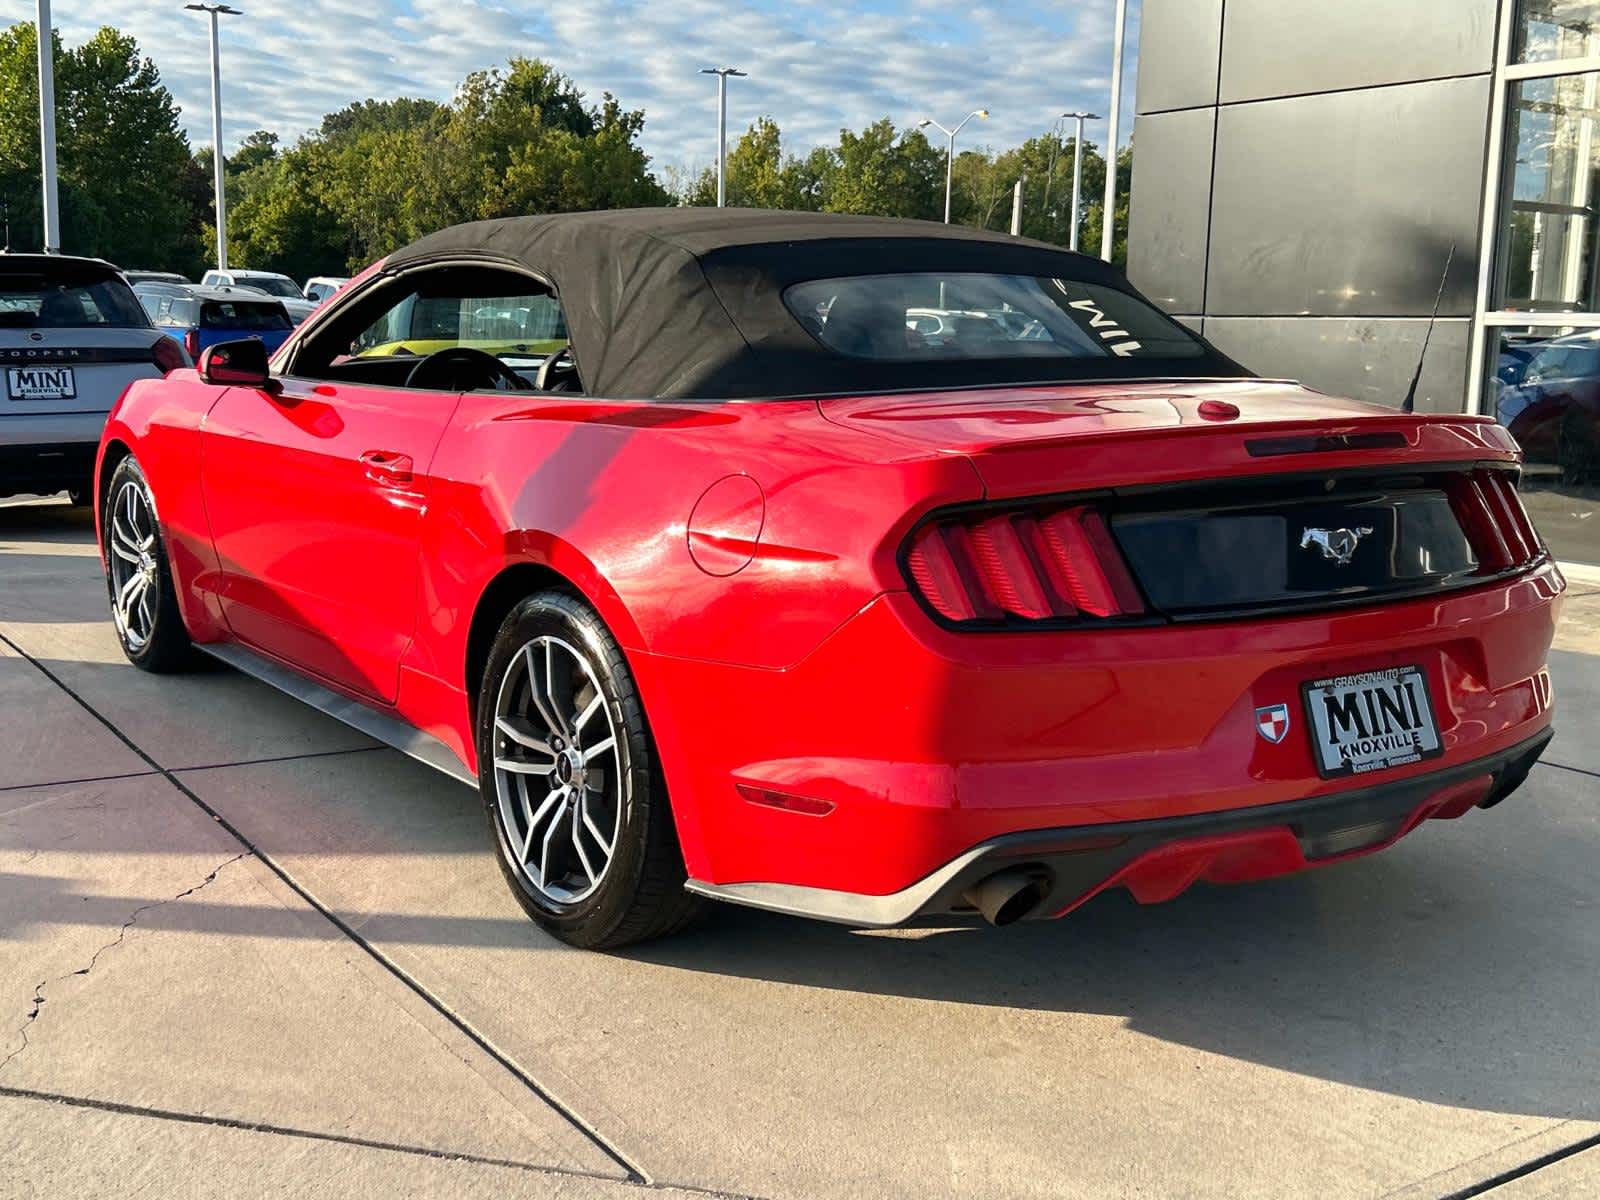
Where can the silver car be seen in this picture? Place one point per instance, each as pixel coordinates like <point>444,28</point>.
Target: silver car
<point>72,337</point>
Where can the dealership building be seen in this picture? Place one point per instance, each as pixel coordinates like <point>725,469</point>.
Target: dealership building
<point>1311,178</point>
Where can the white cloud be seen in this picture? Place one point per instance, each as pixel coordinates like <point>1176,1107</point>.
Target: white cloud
<point>813,67</point>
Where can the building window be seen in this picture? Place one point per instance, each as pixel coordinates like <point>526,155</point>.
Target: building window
<point>1550,30</point>
<point>1548,227</point>
<point>1540,331</point>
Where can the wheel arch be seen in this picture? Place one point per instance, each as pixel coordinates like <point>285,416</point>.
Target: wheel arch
<point>112,453</point>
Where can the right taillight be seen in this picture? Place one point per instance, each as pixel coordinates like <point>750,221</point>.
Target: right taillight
<point>191,344</point>
<point>167,354</point>
<point>1001,569</point>
<point>1491,515</point>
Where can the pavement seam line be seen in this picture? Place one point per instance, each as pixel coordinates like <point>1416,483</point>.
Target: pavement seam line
<point>1564,767</point>
<point>635,1173</point>
<point>234,1123</point>
<point>55,783</point>
<point>1513,1174</point>
<point>38,992</point>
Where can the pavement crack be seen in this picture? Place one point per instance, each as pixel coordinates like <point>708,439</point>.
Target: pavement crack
<point>38,992</point>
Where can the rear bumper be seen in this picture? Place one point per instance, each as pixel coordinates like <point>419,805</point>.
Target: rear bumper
<point>38,431</point>
<point>47,466</point>
<point>895,747</point>
<point>1158,859</point>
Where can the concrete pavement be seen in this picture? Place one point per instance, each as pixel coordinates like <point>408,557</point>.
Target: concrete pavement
<point>242,949</point>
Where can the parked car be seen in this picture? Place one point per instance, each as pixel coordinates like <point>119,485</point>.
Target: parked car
<point>151,294</point>
<point>1554,409</point>
<point>745,594</point>
<point>137,277</point>
<point>320,287</point>
<point>207,316</point>
<point>280,287</point>
<point>72,336</point>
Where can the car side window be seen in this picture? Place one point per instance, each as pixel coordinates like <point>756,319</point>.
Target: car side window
<point>422,323</point>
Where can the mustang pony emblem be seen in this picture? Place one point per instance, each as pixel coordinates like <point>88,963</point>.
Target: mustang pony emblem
<point>1338,545</point>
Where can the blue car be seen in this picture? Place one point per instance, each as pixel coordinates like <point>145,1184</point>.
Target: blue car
<point>203,316</point>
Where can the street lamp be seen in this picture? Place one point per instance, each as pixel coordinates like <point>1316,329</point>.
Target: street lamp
<point>1108,221</point>
<point>1077,169</point>
<point>722,74</point>
<point>950,149</point>
<point>216,10</point>
<point>47,129</point>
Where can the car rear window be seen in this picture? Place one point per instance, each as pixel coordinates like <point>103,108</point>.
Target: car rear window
<point>70,297</point>
<point>242,314</point>
<point>927,316</point>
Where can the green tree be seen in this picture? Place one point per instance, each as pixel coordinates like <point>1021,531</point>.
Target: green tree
<point>124,171</point>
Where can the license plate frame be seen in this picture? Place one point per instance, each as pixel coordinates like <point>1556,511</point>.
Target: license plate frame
<point>63,384</point>
<point>1370,721</point>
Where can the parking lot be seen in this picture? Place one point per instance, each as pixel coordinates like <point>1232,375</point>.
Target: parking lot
<point>244,950</point>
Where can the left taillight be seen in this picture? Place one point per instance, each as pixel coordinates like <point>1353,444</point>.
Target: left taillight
<point>1005,569</point>
<point>168,354</point>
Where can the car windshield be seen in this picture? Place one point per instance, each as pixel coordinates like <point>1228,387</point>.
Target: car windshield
<point>67,300</point>
<point>421,324</point>
<point>926,316</point>
<point>272,285</point>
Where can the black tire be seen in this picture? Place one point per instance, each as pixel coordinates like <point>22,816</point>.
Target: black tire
<point>81,496</point>
<point>164,646</point>
<point>639,893</point>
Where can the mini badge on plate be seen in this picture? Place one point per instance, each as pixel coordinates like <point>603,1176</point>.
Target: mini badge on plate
<point>1272,722</point>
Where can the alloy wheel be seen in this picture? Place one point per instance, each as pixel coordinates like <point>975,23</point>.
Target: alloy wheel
<point>135,577</point>
<point>559,770</point>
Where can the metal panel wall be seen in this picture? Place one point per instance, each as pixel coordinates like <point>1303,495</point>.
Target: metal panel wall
<point>1180,43</point>
<point>1170,206</point>
<point>1293,47</point>
<point>1348,139</point>
<point>1364,358</point>
<point>1347,204</point>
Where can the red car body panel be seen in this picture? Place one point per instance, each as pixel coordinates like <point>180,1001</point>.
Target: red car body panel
<point>745,557</point>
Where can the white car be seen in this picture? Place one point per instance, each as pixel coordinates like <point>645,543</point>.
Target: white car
<point>280,287</point>
<point>72,337</point>
<point>319,287</point>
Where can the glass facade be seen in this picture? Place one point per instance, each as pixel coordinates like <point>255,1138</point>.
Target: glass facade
<point>1551,30</point>
<point>1548,227</point>
<point>1541,375</point>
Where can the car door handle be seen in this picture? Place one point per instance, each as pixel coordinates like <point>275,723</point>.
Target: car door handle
<point>385,466</point>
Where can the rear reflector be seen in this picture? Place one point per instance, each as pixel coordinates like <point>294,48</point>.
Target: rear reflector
<point>1017,567</point>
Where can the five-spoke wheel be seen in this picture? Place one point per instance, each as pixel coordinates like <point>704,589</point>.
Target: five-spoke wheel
<point>130,533</point>
<point>566,765</point>
<point>556,773</point>
<point>144,605</point>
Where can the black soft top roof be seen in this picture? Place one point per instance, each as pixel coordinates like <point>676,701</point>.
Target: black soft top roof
<point>688,302</point>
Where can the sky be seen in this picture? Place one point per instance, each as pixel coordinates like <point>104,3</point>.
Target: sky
<point>814,67</point>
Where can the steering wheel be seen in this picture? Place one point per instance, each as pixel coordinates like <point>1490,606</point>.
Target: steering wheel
<point>558,372</point>
<point>466,369</point>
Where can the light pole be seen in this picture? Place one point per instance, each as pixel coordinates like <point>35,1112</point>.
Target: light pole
<point>950,149</point>
<point>216,10</point>
<point>722,74</point>
<point>47,127</point>
<point>1108,220</point>
<point>1077,170</point>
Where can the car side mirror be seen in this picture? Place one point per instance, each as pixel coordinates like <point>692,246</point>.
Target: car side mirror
<point>238,364</point>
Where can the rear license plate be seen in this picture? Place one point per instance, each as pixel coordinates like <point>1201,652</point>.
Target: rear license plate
<point>1367,722</point>
<point>41,383</point>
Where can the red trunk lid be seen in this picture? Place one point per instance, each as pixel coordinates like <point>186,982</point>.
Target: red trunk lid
<point>1039,440</point>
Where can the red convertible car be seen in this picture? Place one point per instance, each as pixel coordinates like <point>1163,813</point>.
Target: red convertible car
<point>855,568</point>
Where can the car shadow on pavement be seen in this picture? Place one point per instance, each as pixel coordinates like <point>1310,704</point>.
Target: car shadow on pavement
<point>46,520</point>
<point>1418,974</point>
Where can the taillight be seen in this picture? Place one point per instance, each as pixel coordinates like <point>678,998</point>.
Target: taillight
<point>168,354</point>
<point>1002,568</point>
<point>191,344</point>
<point>1491,515</point>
